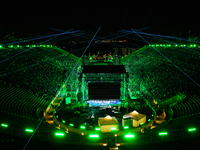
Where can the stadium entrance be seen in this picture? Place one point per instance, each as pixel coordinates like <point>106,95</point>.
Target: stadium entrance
<point>103,83</point>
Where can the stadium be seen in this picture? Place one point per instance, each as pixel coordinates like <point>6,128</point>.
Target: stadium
<point>51,98</point>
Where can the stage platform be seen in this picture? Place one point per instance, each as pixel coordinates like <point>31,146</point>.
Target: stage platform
<point>99,103</point>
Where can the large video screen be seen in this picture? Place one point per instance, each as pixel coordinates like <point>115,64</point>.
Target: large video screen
<point>104,91</point>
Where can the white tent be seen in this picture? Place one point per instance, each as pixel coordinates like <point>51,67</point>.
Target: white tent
<point>108,123</point>
<point>137,118</point>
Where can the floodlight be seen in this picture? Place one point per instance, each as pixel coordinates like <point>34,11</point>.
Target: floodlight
<point>59,134</point>
<point>93,135</point>
<point>4,125</point>
<point>163,133</point>
<point>29,130</point>
<point>191,129</point>
<point>129,136</point>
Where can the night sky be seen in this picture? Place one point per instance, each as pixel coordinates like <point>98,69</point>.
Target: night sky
<point>36,17</point>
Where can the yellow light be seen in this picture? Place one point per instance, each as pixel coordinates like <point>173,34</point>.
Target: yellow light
<point>108,117</point>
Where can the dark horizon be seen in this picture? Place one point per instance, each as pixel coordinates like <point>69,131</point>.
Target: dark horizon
<point>178,19</point>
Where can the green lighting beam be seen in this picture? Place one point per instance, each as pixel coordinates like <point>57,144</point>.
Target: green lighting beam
<point>28,130</point>
<point>59,134</point>
<point>192,129</point>
<point>93,135</point>
<point>97,129</point>
<point>113,129</point>
<point>71,124</point>
<point>163,133</point>
<point>82,127</point>
<point>4,125</point>
<point>129,136</point>
<point>126,127</point>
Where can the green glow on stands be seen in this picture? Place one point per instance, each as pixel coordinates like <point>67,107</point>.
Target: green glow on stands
<point>113,129</point>
<point>82,127</point>
<point>149,119</point>
<point>192,129</point>
<point>195,45</point>
<point>28,130</point>
<point>163,133</point>
<point>126,127</point>
<point>97,129</point>
<point>44,45</point>
<point>93,135</point>
<point>71,124</point>
<point>18,45</point>
<point>59,134</point>
<point>33,45</point>
<point>48,45</point>
<point>129,136</point>
<point>141,123</point>
<point>63,121</point>
<point>4,125</point>
<point>1,46</point>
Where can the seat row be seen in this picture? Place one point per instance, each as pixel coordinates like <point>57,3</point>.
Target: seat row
<point>186,108</point>
<point>19,102</point>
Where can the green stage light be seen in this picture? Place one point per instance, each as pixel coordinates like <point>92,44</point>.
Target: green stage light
<point>71,124</point>
<point>93,135</point>
<point>63,121</point>
<point>97,129</point>
<point>28,130</point>
<point>1,46</point>
<point>82,127</point>
<point>191,129</point>
<point>194,45</point>
<point>4,125</point>
<point>162,133</point>
<point>113,129</point>
<point>129,136</point>
<point>18,45</point>
<point>126,127</point>
<point>59,134</point>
